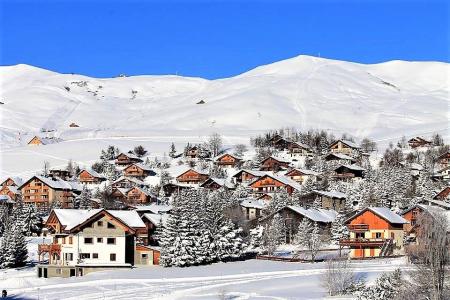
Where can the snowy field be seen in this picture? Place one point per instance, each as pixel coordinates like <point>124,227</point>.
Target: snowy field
<point>252,279</point>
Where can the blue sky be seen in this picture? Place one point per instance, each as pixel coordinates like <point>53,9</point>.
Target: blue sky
<point>215,39</point>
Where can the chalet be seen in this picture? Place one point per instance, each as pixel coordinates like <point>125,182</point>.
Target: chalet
<point>328,199</point>
<point>272,183</point>
<point>343,158</point>
<point>85,241</point>
<point>245,176</point>
<point>138,170</point>
<point>297,149</point>
<point>418,142</point>
<point>42,191</point>
<point>294,215</point>
<point>197,151</point>
<point>253,208</point>
<point>300,175</point>
<point>412,215</point>
<point>120,194</point>
<point>344,147</point>
<point>443,160</point>
<point>273,164</point>
<point>375,232</point>
<point>89,176</point>
<point>127,182</point>
<point>227,160</point>
<point>124,159</point>
<point>443,195</point>
<point>12,181</point>
<point>64,174</point>
<point>11,191</point>
<point>213,184</point>
<point>171,188</point>
<point>138,195</point>
<point>153,221</point>
<point>280,143</point>
<point>348,172</point>
<point>37,141</point>
<point>192,176</point>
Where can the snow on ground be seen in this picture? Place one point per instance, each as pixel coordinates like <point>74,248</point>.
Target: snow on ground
<point>252,279</point>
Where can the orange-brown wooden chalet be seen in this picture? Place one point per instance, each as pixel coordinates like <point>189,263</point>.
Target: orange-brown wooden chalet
<point>418,142</point>
<point>375,231</point>
<point>272,183</point>
<point>227,160</point>
<point>138,195</point>
<point>90,177</point>
<point>300,175</point>
<point>192,176</point>
<point>273,164</point>
<point>124,159</point>
<point>12,191</point>
<point>138,170</point>
<point>12,181</point>
<point>245,175</point>
<point>344,147</point>
<point>299,149</point>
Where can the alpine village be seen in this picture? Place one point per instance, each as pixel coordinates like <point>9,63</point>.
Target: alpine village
<point>286,195</point>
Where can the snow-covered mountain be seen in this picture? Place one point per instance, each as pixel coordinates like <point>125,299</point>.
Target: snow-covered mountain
<point>381,100</point>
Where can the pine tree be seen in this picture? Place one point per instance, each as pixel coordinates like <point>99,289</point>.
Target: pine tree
<point>85,199</point>
<point>172,151</point>
<point>339,229</point>
<point>304,231</point>
<point>386,287</point>
<point>256,239</point>
<point>275,234</point>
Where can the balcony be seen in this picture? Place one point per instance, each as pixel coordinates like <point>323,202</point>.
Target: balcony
<point>49,248</point>
<point>358,227</point>
<point>360,242</point>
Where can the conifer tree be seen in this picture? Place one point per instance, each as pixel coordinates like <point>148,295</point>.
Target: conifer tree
<point>85,199</point>
<point>172,151</point>
<point>339,229</point>
<point>275,234</point>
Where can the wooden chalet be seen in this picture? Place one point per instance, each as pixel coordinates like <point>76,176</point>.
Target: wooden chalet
<point>328,199</point>
<point>294,215</point>
<point>245,176</point>
<point>227,160</point>
<point>340,158</point>
<point>90,177</point>
<point>11,191</point>
<point>171,188</point>
<point>413,215</point>
<point>197,151</point>
<point>120,194</point>
<point>138,195</point>
<point>253,208</point>
<point>12,181</point>
<point>124,159</point>
<point>272,183</point>
<point>348,172</point>
<point>297,149</point>
<point>37,141</point>
<point>375,232</point>
<point>280,143</point>
<point>138,170</point>
<point>273,164</point>
<point>127,182</point>
<point>418,142</point>
<point>443,195</point>
<point>344,147</point>
<point>443,161</point>
<point>213,184</point>
<point>192,176</point>
<point>301,176</point>
<point>60,173</point>
<point>42,191</point>
<point>443,174</point>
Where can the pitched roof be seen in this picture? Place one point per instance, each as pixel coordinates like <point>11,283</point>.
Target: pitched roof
<point>282,179</point>
<point>142,190</point>
<point>331,194</point>
<point>157,219</point>
<point>304,171</point>
<point>92,172</point>
<point>439,203</point>
<point>253,203</point>
<point>224,154</point>
<point>276,158</point>
<point>56,183</point>
<point>141,166</point>
<point>154,208</point>
<point>351,167</point>
<point>132,179</point>
<point>204,172</point>
<point>220,181</point>
<point>315,215</point>
<point>384,213</point>
<point>347,142</point>
<point>256,173</point>
<point>301,145</point>
<point>45,140</point>
<point>17,180</point>
<point>129,155</point>
<point>340,156</point>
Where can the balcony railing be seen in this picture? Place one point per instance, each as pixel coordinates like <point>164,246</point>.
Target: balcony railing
<point>360,242</point>
<point>50,248</point>
<point>358,227</point>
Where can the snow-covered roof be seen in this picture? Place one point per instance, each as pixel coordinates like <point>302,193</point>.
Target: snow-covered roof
<point>340,156</point>
<point>282,179</point>
<point>154,208</point>
<point>256,173</point>
<point>220,181</point>
<point>185,169</point>
<point>129,217</point>
<point>331,194</point>
<point>57,183</point>
<point>45,140</point>
<point>123,191</point>
<point>141,166</point>
<point>440,203</point>
<point>348,143</point>
<point>304,171</point>
<point>156,219</point>
<point>223,154</point>
<point>315,215</point>
<point>302,145</point>
<point>253,203</point>
<point>131,179</point>
<point>276,158</point>
<point>92,172</point>
<point>145,191</point>
<point>17,180</point>
<point>412,166</point>
<point>388,215</point>
<point>129,155</point>
<point>351,167</point>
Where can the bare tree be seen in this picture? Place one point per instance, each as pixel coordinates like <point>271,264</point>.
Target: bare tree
<point>431,255</point>
<point>367,145</point>
<point>339,279</point>
<point>239,149</point>
<point>215,144</point>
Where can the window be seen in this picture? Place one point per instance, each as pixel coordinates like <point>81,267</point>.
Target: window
<point>111,241</point>
<point>63,240</point>
<point>144,255</point>
<point>58,271</point>
<point>94,255</point>
<point>70,240</point>
<point>68,256</point>
<point>378,235</point>
<point>111,226</point>
<point>99,240</point>
<point>85,255</point>
<point>100,223</point>
<point>112,257</point>
<point>88,240</point>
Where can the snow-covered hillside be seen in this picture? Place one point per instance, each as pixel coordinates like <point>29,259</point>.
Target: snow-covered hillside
<point>382,101</point>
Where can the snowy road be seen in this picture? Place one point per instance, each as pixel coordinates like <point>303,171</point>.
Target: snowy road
<point>240,280</point>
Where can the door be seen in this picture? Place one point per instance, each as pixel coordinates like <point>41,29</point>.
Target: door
<point>72,272</point>
<point>39,272</point>
<point>372,252</point>
<point>156,257</point>
<point>359,252</point>
<point>45,272</point>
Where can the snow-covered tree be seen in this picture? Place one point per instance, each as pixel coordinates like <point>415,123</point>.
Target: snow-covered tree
<point>256,236</point>
<point>339,229</point>
<point>304,230</point>
<point>84,201</point>
<point>274,234</point>
<point>172,151</point>
<point>386,287</point>
<point>279,200</point>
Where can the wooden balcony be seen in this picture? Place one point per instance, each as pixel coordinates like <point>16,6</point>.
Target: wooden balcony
<point>50,248</point>
<point>358,227</point>
<point>362,242</point>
